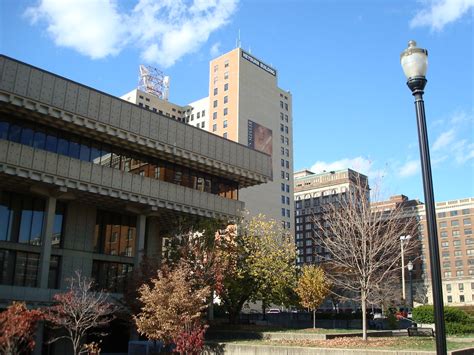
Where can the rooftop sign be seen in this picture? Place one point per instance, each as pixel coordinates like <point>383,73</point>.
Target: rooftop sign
<point>258,63</point>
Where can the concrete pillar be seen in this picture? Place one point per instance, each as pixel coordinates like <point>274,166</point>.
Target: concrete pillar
<point>154,242</point>
<point>45,256</point>
<point>140,241</point>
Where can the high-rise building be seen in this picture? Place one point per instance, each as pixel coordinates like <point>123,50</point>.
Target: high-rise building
<point>312,193</point>
<point>246,105</point>
<point>89,182</point>
<point>456,245</point>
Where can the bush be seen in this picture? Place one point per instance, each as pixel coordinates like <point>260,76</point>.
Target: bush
<point>454,328</point>
<point>425,314</point>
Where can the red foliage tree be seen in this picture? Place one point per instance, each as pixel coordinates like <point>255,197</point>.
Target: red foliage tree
<point>17,329</point>
<point>79,311</point>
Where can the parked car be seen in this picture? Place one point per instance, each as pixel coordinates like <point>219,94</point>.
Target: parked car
<point>273,311</point>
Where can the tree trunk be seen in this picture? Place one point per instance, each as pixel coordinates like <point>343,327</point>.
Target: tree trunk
<point>314,318</point>
<point>263,311</point>
<point>364,316</point>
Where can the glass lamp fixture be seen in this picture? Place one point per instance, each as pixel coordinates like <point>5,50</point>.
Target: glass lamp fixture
<point>414,61</point>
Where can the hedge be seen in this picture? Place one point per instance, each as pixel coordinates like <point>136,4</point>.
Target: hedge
<point>457,320</point>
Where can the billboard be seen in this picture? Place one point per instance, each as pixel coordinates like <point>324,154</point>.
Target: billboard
<point>259,137</point>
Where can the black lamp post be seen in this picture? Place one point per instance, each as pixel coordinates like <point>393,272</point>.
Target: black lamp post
<point>414,62</point>
<point>410,269</point>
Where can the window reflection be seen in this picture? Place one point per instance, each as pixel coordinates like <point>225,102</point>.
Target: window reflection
<point>115,234</point>
<point>87,150</point>
<point>111,276</point>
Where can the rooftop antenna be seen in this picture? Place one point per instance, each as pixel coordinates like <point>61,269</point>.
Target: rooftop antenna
<point>239,43</point>
<point>154,82</point>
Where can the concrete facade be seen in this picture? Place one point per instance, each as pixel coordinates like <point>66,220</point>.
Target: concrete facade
<point>88,182</point>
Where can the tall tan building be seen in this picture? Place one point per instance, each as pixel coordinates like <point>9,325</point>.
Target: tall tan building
<point>246,105</point>
<point>456,245</point>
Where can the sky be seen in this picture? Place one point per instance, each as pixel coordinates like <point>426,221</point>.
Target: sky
<point>340,59</point>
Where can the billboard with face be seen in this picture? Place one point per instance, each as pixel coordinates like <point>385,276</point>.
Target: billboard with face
<point>259,137</point>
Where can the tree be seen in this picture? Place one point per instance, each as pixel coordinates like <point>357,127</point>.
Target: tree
<point>172,308</point>
<point>17,329</point>
<point>260,264</point>
<point>312,288</point>
<point>79,311</point>
<point>363,244</point>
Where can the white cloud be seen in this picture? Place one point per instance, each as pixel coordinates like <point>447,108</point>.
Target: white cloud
<point>215,49</point>
<point>444,139</point>
<point>163,30</point>
<point>438,13</point>
<point>359,164</point>
<point>410,168</point>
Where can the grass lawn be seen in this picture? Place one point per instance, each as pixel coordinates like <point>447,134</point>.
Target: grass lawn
<point>266,328</point>
<point>389,343</point>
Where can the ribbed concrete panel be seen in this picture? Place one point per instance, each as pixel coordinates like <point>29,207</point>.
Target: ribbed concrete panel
<point>47,89</point>
<point>35,83</point>
<point>126,111</point>
<point>27,156</point>
<point>75,105</point>
<point>71,97</point>
<point>22,78</point>
<point>83,101</point>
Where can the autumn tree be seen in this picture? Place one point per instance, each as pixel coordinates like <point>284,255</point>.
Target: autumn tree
<point>363,244</point>
<point>260,265</point>
<point>172,308</point>
<point>78,311</point>
<point>17,329</point>
<point>312,288</point>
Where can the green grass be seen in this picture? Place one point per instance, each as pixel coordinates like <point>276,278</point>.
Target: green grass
<point>397,343</point>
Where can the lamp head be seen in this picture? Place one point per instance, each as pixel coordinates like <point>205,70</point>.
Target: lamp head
<point>410,266</point>
<point>414,61</point>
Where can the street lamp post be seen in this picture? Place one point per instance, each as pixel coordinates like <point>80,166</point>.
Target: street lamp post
<point>410,269</point>
<point>403,239</point>
<point>414,62</point>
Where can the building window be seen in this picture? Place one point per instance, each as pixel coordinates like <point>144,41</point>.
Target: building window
<point>448,287</point>
<point>444,234</point>
<point>454,223</point>
<point>215,103</point>
<point>286,129</point>
<point>281,116</point>
<point>287,200</point>
<point>469,241</point>
<point>198,115</point>
<point>224,124</point>
<point>282,174</point>
<point>470,252</point>
<point>203,113</point>
<point>283,212</point>
<point>287,164</point>
<point>225,111</point>
<point>445,254</point>
<point>287,188</point>
<point>114,233</point>
<point>192,117</point>
<point>283,199</point>
<point>458,263</point>
<point>281,104</point>
<point>450,299</point>
<point>455,233</point>
<point>282,151</point>
<point>224,135</point>
<point>226,75</point>
<point>286,118</point>
<point>467,231</point>
<point>288,213</point>
<point>443,224</point>
<point>214,115</point>
<point>226,86</point>
<point>457,243</point>
<point>282,127</point>
<point>282,187</point>
<point>465,211</point>
<point>457,253</point>
<point>447,274</point>
<point>226,99</point>
<point>286,106</point>
<point>203,124</point>
<point>461,298</point>
<point>215,91</point>
<point>453,213</point>
<point>214,127</point>
<point>216,67</point>
<point>459,273</point>
<point>287,152</point>
<point>226,63</point>
<point>282,163</point>
<point>466,221</point>
<point>111,276</point>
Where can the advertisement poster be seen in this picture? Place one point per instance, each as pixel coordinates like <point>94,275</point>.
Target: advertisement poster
<point>259,137</point>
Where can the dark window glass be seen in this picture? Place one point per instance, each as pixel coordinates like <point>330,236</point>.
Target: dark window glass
<point>6,216</point>
<point>14,134</point>
<point>4,129</point>
<point>74,149</point>
<point>95,155</point>
<point>63,146</point>
<point>6,266</point>
<point>39,140</point>
<point>115,234</point>
<point>85,154</point>
<point>111,276</point>
<point>26,269</point>
<point>25,221</point>
<point>27,135</point>
<point>53,276</point>
<point>51,143</point>
<point>37,221</point>
<point>58,225</point>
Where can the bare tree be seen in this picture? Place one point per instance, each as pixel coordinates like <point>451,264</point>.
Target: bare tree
<point>362,244</point>
<point>79,311</point>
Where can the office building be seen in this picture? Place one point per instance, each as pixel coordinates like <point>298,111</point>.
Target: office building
<point>89,182</point>
<point>246,105</point>
<point>312,193</point>
<point>456,245</point>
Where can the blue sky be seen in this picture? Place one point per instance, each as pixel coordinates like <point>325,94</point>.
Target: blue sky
<point>340,60</point>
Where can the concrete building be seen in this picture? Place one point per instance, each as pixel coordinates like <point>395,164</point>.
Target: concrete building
<point>246,105</point>
<point>456,245</point>
<point>89,182</point>
<point>312,193</point>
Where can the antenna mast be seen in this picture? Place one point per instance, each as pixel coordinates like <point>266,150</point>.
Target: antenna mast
<point>154,82</point>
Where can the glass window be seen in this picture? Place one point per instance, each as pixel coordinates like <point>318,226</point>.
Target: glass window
<point>63,146</point>
<point>465,211</point>
<point>441,214</point>
<point>450,299</point>
<point>114,233</point>
<point>225,111</point>
<point>453,213</point>
<point>215,103</point>
<point>111,276</point>
<point>39,140</point>
<point>14,134</point>
<point>74,148</point>
<point>53,276</point>
<point>442,224</point>
<point>4,129</point>
<point>466,221</point>
<point>51,143</point>
<point>226,86</point>
<point>454,223</point>
<point>27,135</point>
<point>226,99</point>
<point>215,91</point>
<point>214,115</point>
<point>467,231</point>
<point>85,152</point>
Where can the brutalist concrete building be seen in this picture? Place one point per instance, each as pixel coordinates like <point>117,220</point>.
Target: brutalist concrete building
<point>88,181</point>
